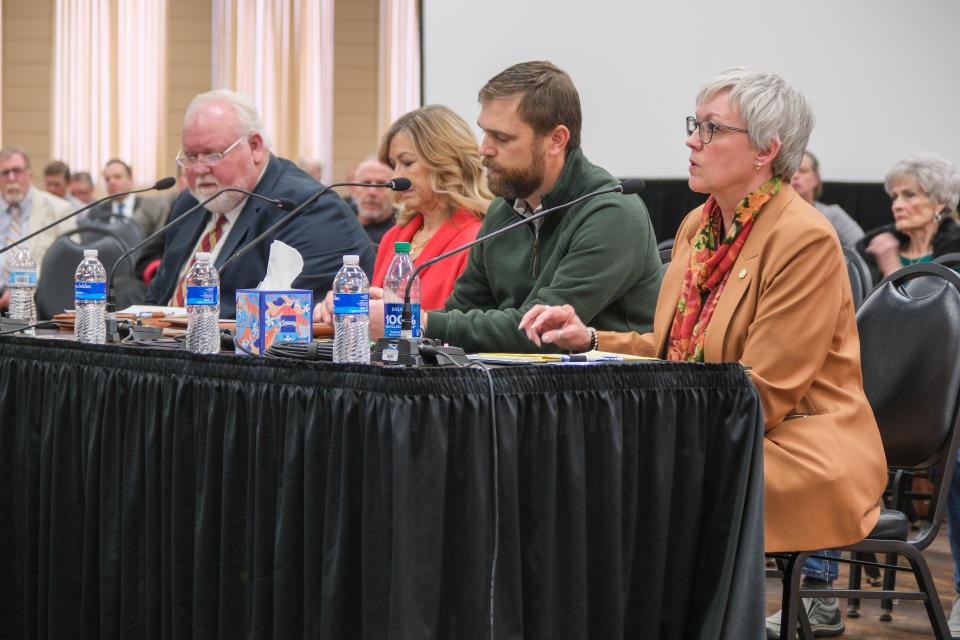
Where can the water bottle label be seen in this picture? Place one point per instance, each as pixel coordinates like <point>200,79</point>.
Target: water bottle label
<point>207,296</point>
<point>351,303</point>
<point>90,290</point>
<point>22,278</point>
<point>392,319</point>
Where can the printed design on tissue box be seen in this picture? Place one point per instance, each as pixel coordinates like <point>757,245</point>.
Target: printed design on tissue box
<point>248,321</point>
<point>287,319</point>
<point>265,317</point>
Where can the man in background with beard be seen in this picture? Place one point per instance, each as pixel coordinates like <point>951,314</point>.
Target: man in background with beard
<point>223,145</point>
<point>375,210</point>
<point>599,256</point>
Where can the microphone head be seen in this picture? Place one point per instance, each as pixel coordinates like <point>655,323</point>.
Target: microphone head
<point>286,204</point>
<point>631,186</point>
<point>400,184</point>
<point>165,183</point>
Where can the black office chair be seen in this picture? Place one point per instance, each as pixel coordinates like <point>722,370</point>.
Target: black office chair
<point>860,280</point>
<point>128,231</point>
<point>911,374</point>
<point>55,287</point>
<point>666,255</point>
<point>951,260</point>
<point>665,244</point>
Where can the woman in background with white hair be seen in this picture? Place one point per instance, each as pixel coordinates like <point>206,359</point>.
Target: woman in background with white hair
<point>925,189</point>
<point>758,276</point>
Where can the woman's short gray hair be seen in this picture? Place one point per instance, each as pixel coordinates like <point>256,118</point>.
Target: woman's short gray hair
<point>242,106</point>
<point>938,178</point>
<point>770,109</point>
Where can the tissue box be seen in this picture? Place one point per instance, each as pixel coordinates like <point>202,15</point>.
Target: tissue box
<point>265,317</point>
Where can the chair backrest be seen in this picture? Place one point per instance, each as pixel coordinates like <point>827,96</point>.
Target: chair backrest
<point>55,287</point>
<point>909,345</point>
<point>666,255</point>
<point>951,260</point>
<point>860,280</point>
<point>128,231</point>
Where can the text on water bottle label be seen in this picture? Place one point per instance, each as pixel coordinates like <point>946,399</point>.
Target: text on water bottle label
<point>393,318</point>
<point>90,290</point>
<point>203,296</point>
<point>351,303</point>
<point>22,278</point>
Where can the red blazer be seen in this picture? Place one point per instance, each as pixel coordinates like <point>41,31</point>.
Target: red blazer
<point>437,280</point>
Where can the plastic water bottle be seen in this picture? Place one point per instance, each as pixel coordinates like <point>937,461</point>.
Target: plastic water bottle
<point>203,306</point>
<point>351,313</point>
<point>394,287</point>
<point>22,283</point>
<point>90,300</point>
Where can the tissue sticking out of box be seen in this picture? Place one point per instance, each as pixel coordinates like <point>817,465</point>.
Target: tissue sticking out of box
<point>284,266</point>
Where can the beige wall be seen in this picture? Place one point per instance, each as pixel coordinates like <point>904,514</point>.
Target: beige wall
<point>355,62</point>
<point>27,57</point>
<point>27,54</point>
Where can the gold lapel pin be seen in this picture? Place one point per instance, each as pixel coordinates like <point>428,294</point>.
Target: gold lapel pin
<point>742,274</point>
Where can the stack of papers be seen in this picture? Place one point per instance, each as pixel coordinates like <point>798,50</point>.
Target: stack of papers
<point>552,358</point>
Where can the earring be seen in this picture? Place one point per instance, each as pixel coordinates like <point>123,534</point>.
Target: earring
<point>757,165</point>
<point>938,217</point>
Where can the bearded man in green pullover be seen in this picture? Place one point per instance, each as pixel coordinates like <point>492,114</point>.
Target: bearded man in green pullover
<point>599,256</point>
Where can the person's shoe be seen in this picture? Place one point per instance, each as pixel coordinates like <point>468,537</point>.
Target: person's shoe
<point>954,621</point>
<point>824,616</point>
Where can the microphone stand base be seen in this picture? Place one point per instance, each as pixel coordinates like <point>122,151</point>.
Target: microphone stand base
<point>117,331</point>
<point>12,325</point>
<point>417,352</point>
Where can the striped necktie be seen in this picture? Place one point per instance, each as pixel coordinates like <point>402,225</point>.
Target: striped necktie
<point>14,233</point>
<point>207,243</point>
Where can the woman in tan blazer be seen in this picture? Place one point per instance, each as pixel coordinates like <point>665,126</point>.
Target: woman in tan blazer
<point>757,276</point>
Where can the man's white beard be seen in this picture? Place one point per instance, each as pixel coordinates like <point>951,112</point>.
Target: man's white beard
<point>224,202</point>
<point>13,194</point>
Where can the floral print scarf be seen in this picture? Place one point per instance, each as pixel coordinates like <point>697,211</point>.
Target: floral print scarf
<point>711,262</point>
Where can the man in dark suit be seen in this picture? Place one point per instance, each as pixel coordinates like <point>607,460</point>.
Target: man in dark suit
<point>223,145</point>
<point>148,213</point>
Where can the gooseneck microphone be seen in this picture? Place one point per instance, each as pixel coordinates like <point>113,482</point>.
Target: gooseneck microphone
<point>407,349</point>
<point>397,184</point>
<point>112,332</point>
<point>159,185</point>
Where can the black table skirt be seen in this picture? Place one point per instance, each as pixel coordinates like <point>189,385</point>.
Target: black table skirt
<point>151,494</point>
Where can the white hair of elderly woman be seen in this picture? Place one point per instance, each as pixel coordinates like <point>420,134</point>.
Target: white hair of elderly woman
<point>936,175</point>
<point>770,109</point>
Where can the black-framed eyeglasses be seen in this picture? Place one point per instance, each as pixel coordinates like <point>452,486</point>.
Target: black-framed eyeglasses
<point>707,128</point>
<point>208,159</point>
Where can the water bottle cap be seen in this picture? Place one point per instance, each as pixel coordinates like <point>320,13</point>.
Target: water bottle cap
<point>203,256</point>
<point>351,259</point>
<point>401,247</point>
<point>90,253</point>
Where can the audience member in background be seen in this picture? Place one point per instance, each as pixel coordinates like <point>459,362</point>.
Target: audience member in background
<point>443,207</point>
<point>599,256</point>
<point>25,209</point>
<point>149,213</point>
<point>56,179</point>
<point>223,145</point>
<point>351,176</point>
<point>313,168</point>
<point>925,189</point>
<point>375,207</point>
<point>81,187</point>
<point>758,277</point>
<point>806,182</point>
